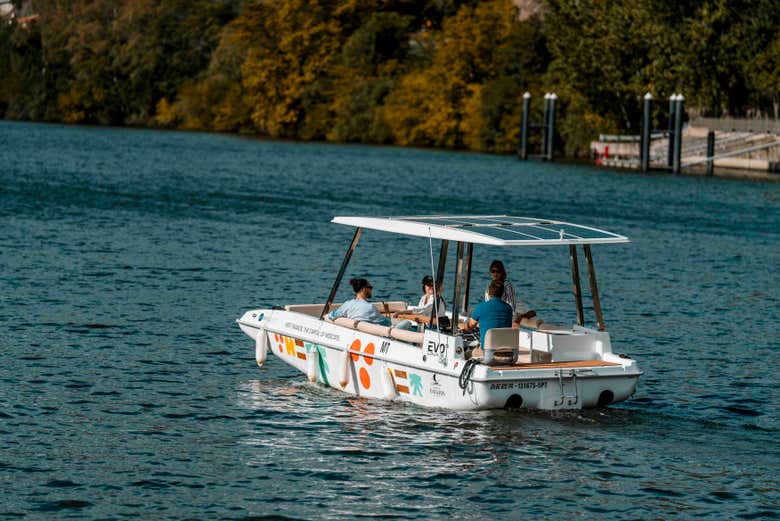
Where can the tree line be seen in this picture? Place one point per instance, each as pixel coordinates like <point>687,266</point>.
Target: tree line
<point>442,73</point>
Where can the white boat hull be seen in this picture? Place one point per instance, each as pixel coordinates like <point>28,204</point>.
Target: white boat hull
<point>373,366</point>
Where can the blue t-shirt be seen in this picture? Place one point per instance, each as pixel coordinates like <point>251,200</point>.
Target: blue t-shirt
<point>490,314</point>
<point>359,309</point>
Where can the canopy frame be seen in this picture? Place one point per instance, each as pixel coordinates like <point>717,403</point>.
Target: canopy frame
<point>463,268</point>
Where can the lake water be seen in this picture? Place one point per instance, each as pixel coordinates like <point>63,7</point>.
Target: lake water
<point>127,389</point>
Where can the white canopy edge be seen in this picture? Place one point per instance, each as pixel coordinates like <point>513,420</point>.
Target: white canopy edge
<point>415,226</point>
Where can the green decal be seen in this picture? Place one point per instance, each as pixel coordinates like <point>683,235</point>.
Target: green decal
<point>416,382</point>
<point>322,360</point>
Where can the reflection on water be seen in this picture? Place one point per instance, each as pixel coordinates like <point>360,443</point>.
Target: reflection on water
<point>507,460</point>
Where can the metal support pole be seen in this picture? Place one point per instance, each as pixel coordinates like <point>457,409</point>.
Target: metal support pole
<point>594,289</point>
<point>678,116</point>
<point>575,275</point>
<point>710,152</point>
<point>439,280</point>
<point>456,296</point>
<point>545,124</point>
<point>644,150</point>
<point>523,152</point>
<point>469,253</point>
<point>342,269</point>
<point>551,131</point>
<point>670,151</point>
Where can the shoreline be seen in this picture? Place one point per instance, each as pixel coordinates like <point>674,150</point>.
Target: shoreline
<point>719,172</point>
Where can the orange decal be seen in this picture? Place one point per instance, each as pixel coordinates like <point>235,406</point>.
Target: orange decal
<point>402,389</point>
<point>355,348</point>
<point>365,379</point>
<point>400,374</point>
<point>363,374</point>
<point>298,342</point>
<point>289,346</point>
<point>369,350</point>
<point>302,356</point>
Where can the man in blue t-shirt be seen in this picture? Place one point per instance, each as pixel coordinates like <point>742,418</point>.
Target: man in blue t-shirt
<point>492,313</point>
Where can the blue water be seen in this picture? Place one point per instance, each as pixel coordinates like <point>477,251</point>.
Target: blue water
<point>127,390</point>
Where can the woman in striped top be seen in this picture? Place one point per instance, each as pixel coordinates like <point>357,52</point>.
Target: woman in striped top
<point>498,272</point>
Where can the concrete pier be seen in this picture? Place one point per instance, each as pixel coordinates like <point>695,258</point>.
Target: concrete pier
<point>736,146</point>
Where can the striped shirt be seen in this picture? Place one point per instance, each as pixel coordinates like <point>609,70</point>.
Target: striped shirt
<point>510,298</point>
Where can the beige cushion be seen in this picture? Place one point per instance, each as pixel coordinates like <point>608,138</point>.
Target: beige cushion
<point>502,337</point>
<point>404,335</point>
<point>346,322</point>
<point>390,306</point>
<point>374,329</point>
<point>309,309</point>
<point>551,327</point>
<point>532,323</point>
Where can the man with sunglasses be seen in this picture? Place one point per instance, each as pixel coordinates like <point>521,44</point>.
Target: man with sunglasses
<point>359,308</point>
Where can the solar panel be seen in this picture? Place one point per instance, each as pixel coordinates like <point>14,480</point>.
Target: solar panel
<point>497,230</point>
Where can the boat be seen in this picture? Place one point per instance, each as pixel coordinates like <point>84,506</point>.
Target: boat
<point>535,365</point>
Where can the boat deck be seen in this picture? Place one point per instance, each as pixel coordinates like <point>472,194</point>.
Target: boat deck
<point>554,365</point>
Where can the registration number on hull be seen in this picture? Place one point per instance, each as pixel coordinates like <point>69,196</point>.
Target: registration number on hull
<point>533,384</point>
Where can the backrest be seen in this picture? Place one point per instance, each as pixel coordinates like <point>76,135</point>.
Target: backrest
<point>502,337</point>
<point>532,323</point>
<point>390,306</point>
<point>313,310</point>
<point>346,322</point>
<point>404,335</point>
<point>374,329</point>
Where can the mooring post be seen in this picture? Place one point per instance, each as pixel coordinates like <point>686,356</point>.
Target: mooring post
<point>710,152</point>
<point>670,152</point>
<point>644,143</point>
<point>551,130</point>
<point>546,123</point>
<point>524,126</point>
<point>678,116</point>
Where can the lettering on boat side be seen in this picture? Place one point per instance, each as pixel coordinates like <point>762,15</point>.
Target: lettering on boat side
<point>312,331</point>
<point>435,388</point>
<point>519,385</point>
<point>385,346</point>
<point>439,350</point>
<point>435,349</point>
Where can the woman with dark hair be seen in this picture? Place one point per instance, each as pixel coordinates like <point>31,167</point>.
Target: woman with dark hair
<point>359,308</point>
<point>498,273</point>
<point>422,311</point>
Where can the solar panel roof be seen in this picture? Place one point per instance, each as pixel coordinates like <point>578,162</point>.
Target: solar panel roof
<point>494,230</point>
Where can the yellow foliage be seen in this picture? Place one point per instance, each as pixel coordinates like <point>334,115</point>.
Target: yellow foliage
<point>69,104</point>
<point>473,119</point>
<point>166,115</point>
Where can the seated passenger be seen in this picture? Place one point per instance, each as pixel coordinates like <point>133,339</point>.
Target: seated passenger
<point>421,312</point>
<point>490,314</point>
<point>521,311</point>
<point>359,308</point>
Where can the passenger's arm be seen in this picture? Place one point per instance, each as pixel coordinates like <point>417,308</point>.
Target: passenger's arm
<point>468,326</point>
